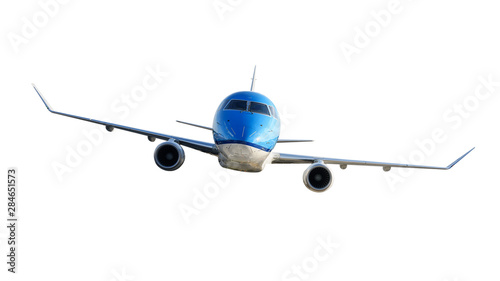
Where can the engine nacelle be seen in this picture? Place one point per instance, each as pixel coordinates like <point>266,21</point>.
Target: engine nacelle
<point>169,156</point>
<point>318,177</point>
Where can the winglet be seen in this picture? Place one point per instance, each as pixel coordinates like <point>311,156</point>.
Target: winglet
<point>460,158</point>
<point>253,79</point>
<point>44,101</point>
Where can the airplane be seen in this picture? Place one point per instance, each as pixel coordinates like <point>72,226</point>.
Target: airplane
<point>245,129</point>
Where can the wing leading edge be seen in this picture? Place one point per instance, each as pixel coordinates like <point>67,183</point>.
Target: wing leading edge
<point>198,145</point>
<point>282,158</point>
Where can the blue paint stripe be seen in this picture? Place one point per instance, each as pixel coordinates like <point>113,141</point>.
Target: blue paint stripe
<point>245,143</point>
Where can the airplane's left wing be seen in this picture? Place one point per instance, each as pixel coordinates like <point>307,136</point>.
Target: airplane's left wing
<point>282,158</point>
<point>198,145</point>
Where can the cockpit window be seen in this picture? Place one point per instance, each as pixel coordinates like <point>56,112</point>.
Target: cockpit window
<point>257,107</point>
<point>273,111</point>
<point>237,105</point>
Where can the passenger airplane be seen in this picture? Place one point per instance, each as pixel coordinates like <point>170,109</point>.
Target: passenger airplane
<point>245,129</point>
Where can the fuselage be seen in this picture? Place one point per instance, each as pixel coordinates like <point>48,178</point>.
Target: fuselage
<point>246,128</point>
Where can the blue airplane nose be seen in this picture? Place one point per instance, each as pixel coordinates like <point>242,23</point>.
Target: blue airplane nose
<point>250,128</point>
<point>247,118</point>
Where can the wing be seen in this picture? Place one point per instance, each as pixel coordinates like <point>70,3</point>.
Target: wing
<point>198,145</point>
<point>282,158</point>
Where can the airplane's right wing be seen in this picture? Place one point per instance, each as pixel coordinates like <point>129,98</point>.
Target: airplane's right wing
<point>198,145</point>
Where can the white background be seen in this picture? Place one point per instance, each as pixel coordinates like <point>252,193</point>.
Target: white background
<point>116,216</point>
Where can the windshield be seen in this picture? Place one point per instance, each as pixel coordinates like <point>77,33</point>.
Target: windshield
<point>257,107</point>
<point>237,105</point>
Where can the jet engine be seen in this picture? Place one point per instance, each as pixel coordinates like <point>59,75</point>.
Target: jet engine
<point>169,156</point>
<point>318,177</point>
